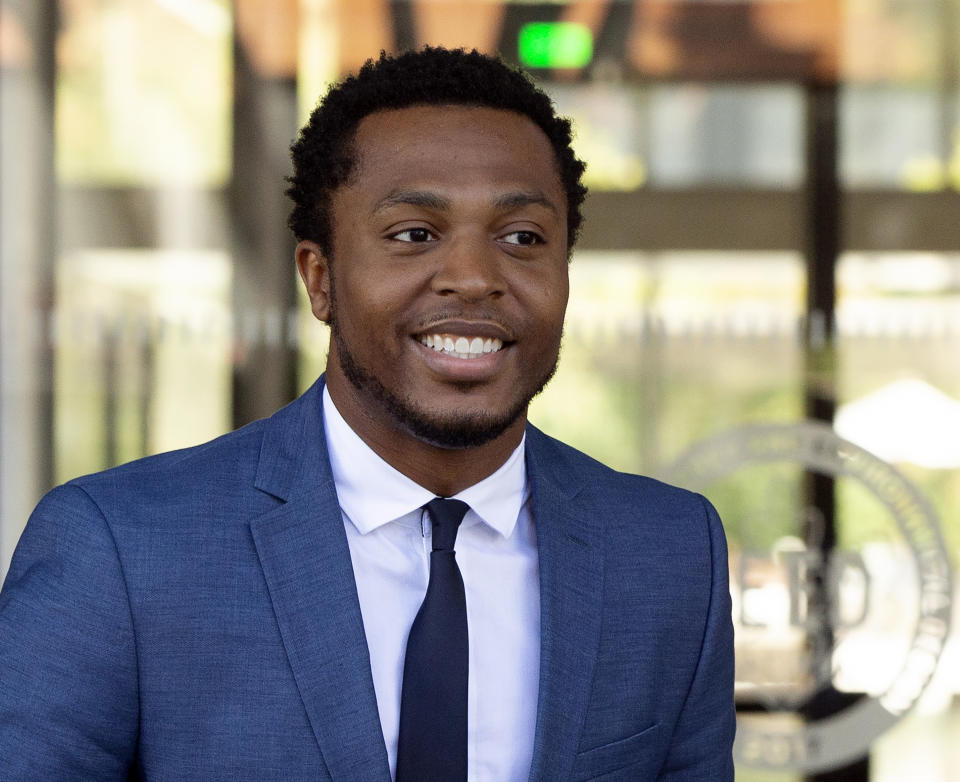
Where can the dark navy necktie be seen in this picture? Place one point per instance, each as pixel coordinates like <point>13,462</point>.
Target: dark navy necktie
<point>433,706</point>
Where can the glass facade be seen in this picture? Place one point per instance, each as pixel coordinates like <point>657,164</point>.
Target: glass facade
<point>713,337</point>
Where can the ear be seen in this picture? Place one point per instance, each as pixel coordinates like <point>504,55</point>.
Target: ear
<point>314,270</point>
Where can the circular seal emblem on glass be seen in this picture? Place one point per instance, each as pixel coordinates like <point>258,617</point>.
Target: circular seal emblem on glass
<point>863,614</point>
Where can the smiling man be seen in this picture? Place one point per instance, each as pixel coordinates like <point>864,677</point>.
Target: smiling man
<point>444,280</point>
<point>396,576</point>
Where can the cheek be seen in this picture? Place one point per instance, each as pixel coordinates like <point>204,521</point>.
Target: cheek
<point>551,301</point>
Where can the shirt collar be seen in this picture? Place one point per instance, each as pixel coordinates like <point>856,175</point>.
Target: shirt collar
<point>372,493</point>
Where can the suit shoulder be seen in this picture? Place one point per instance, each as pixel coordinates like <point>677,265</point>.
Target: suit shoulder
<point>613,485</point>
<point>221,453</point>
<point>226,463</point>
<point>635,510</point>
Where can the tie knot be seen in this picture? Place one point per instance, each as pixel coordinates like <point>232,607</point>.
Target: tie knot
<point>445,516</point>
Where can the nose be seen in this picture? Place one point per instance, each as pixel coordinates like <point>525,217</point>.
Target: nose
<point>469,267</point>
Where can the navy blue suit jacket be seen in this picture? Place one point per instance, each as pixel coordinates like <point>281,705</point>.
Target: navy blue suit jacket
<point>194,616</point>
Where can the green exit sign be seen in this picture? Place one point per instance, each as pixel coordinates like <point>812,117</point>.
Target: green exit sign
<point>555,45</point>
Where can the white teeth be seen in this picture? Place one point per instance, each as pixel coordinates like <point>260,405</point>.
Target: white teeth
<point>461,347</point>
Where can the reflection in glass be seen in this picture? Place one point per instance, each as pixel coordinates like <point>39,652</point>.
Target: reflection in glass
<point>142,342</point>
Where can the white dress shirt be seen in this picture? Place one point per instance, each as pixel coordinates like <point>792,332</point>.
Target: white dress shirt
<point>390,542</point>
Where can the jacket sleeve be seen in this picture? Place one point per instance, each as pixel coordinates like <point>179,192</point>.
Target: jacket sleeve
<point>68,670</point>
<point>702,744</point>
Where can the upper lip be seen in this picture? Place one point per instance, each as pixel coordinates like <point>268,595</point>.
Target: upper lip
<point>467,328</point>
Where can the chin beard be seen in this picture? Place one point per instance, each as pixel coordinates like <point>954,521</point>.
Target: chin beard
<point>467,430</point>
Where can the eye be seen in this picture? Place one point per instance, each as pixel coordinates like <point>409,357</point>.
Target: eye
<point>414,235</point>
<point>522,238</point>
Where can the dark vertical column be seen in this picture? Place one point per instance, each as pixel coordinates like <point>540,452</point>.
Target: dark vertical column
<point>824,238</point>
<point>404,25</point>
<point>28,230</point>
<point>823,214</point>
<point>822,250</point>
<point>264,277</point>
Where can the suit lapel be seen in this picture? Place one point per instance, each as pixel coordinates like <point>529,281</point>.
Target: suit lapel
<point>306,563</point>
<point>569,546</point>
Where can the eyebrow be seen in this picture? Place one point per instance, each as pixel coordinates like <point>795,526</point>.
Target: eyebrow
<point>430,200</point>
<point>423,198</point>
<point>510,201</point>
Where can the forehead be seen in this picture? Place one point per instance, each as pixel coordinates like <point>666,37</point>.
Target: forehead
<point>458,147</point>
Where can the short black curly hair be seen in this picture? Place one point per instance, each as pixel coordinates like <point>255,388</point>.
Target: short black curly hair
<point>323,157</point>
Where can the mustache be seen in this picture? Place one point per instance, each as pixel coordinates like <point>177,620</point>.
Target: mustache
<point>482,315</point>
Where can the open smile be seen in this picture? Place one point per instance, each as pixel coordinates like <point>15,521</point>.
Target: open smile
<point>458,346</point>
<point>465,351</point>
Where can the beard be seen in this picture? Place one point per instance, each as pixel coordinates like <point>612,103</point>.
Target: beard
<point>455,431</point>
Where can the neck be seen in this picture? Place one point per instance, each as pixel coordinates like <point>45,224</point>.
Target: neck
<point>444,471</point>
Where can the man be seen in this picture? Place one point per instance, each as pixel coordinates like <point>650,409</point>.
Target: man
<point>254,608</point>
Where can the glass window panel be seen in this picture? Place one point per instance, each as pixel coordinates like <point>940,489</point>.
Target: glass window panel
<point>899,365</point>
<point>143,344</point>
<point>892,137</point>
<point>726,135</point>
<point>610,131</point>
<point>124,114</point>
<point>898,386</point>
<point>646,332</point>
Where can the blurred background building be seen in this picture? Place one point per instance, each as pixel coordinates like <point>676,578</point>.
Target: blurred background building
<point>772,239</point>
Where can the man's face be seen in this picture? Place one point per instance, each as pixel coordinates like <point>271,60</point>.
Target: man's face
<point>447,285</point>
